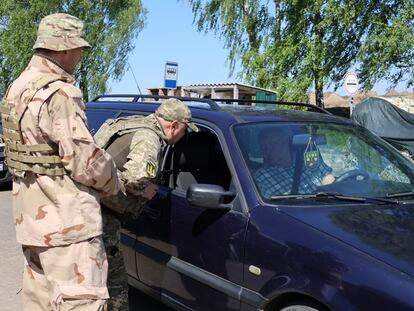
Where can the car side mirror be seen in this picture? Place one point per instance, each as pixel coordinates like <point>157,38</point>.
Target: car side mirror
<point>210,196</point>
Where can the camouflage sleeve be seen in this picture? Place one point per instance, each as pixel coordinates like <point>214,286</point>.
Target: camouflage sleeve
<point>81,157</point>
<point>142,161</point>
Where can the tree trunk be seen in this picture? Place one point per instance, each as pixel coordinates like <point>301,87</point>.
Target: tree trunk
<point>278,19</point>
<point>318,90</point>
<point>317,65</point>
<point>83,84</point>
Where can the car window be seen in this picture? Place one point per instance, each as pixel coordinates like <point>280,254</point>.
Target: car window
<point>196,158</point>
<point>344,154</point>
<point>299,158</point>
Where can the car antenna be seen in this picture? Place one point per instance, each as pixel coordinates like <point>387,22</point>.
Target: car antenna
<point>134,77</point>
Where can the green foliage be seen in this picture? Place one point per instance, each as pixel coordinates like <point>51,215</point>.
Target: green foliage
<point>388,51</point>
<point>293,46</point>
<point>110,27</point>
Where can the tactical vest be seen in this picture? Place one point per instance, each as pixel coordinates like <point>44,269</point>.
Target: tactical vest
<point>115,136</point>
<point>40,159</point>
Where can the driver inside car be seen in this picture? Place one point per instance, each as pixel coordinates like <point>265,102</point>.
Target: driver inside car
<point>277,174</point>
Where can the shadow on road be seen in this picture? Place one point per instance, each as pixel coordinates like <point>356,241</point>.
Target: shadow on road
<point>138,300</point>
<point>141,302</point>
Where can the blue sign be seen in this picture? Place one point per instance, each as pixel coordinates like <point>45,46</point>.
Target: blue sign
<point>170,75</point>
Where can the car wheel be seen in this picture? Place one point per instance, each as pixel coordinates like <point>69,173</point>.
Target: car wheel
<point>302,305</point>
<point>298,308</point>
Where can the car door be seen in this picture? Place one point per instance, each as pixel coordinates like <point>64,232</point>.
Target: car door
<point>193,255</point>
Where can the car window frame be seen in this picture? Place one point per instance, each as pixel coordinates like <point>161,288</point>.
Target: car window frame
<point>243,206</point>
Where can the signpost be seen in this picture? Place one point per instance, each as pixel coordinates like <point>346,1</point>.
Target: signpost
<point>351,85</point>
<point>170,75</point>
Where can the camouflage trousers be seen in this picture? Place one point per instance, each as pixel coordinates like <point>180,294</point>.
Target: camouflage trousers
<point>117,277</point>
<point>63,278</point>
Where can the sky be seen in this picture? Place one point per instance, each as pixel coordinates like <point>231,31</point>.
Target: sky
<point>169,35</point>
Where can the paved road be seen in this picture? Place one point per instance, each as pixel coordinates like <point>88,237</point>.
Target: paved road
<point>11,259</point>
<point>11,265</point>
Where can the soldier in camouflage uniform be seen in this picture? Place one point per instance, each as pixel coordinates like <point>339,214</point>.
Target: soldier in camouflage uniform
<point>136,148</point>
<point>59,173</point>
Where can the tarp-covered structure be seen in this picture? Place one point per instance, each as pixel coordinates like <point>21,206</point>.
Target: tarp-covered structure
<point>387,121</point>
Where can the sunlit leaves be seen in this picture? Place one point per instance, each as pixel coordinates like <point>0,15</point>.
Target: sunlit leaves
<point>297,46</point>
<point>111,27</point>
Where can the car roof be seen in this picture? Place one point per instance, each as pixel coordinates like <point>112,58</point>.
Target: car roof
<point>225,113</point>
<point>255,114</point>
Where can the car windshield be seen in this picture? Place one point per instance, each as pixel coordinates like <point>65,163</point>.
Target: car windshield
<point>287,160</point>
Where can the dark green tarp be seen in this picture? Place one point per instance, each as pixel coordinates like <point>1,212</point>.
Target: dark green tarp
<point>387,121</point>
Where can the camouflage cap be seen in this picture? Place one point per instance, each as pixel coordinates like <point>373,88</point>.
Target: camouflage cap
<point>173,109</point>
<point>60,32</point>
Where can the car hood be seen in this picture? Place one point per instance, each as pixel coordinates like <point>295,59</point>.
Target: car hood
<point>385,232</point>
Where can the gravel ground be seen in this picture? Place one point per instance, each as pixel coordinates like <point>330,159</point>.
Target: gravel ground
<point>11,259</point>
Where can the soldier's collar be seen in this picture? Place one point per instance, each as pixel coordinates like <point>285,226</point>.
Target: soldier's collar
<point>55,63</point>
<point>158,125</point>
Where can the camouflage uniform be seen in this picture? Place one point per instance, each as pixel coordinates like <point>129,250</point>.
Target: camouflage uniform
<point>141,168</point>
<point>59,176</point>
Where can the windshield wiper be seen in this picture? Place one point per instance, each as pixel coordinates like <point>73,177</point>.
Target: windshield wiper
<point>399,194</point>
<point>335,195</point>
<point>318,195</point>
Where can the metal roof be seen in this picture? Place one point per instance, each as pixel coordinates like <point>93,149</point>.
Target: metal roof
<point>227,85</point>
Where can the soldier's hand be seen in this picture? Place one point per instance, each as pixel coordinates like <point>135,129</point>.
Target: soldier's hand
<point>150,191</point>
<point>328,179</point>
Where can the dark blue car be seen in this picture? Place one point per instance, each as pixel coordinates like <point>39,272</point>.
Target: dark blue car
<point>272,209</point>
<point>5,176</point>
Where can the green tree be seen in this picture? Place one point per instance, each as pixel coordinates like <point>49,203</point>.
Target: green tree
<point>388,50</point>
<point>110,27</point>
<point>293,46</point>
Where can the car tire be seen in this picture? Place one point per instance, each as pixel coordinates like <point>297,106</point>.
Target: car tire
<point>302,305</point>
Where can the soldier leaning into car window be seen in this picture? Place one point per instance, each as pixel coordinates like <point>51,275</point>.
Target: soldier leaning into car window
<point>59,175</point>
<point>135,144</point>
